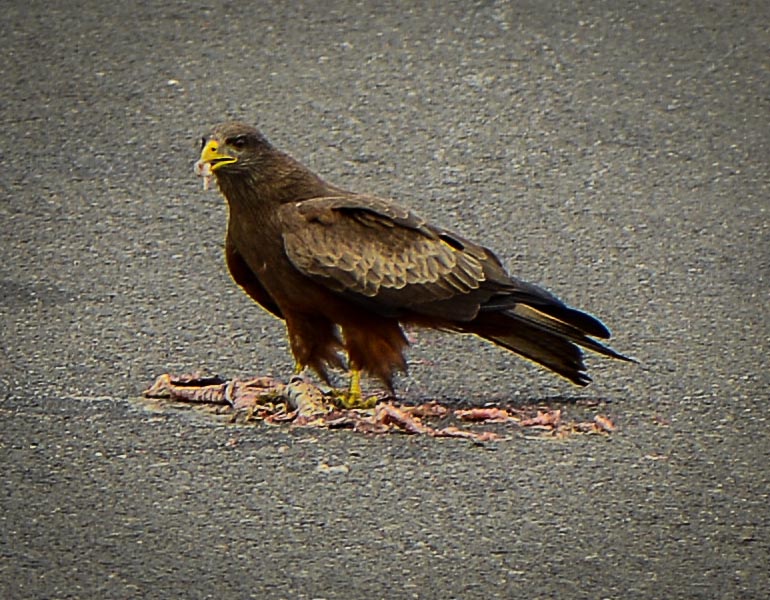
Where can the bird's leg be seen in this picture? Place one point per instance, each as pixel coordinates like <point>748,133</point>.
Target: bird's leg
<point>355,384</point>
<point>354,397</point>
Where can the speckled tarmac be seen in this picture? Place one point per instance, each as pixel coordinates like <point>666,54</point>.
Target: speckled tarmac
<point>618,156</point>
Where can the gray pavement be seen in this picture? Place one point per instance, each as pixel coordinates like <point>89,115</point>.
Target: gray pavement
<point>617,155</point>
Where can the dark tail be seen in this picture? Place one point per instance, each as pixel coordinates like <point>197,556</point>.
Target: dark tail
<point>551,339</point>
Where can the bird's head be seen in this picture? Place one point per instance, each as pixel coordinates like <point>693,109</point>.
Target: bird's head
<point>248,168</point>
<point>231,149</point>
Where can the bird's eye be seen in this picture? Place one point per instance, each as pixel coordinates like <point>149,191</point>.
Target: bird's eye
<point>237,142</point>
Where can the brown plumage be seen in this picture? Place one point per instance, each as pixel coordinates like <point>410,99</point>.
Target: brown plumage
<point>345,271</point>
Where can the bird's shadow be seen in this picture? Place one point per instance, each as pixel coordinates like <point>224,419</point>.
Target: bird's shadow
<point>505,401</point>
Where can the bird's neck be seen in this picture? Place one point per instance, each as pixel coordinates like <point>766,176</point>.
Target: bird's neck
<point>254,200</point>
<point>287,181</point>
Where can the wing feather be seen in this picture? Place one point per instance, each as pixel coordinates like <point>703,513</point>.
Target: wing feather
<point>371,248</point>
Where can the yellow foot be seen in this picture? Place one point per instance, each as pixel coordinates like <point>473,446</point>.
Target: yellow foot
<point>344,399</point>
<point>353,397</point>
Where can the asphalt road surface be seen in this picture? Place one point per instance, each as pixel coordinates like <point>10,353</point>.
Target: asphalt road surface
<point>618,155</point>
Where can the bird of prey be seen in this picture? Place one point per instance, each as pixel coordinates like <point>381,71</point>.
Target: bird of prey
<point>345,271</point>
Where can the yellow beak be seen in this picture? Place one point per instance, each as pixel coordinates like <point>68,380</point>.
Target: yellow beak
<point>210,154</point>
